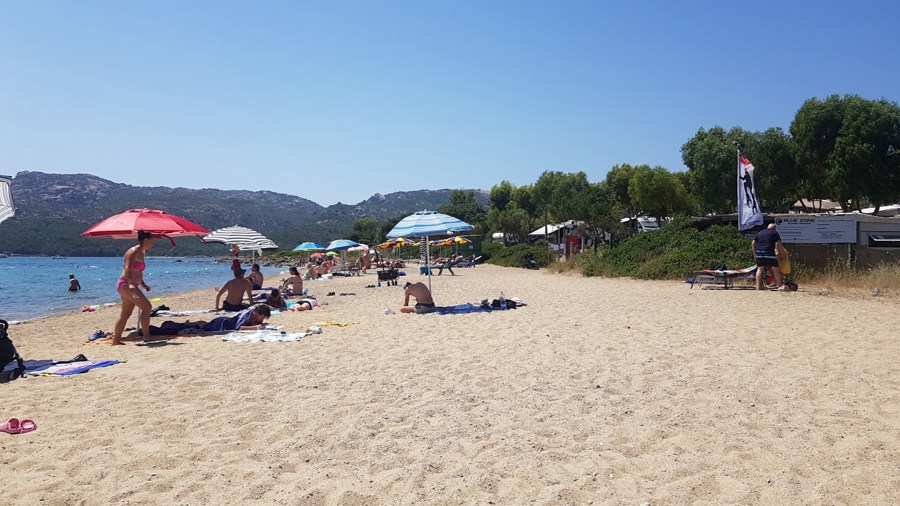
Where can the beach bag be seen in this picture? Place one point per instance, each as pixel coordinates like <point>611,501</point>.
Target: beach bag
<point>11,364</point>
<point>510,304</point>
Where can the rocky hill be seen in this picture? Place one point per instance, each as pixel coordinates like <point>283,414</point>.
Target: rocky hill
<point>52,210</point>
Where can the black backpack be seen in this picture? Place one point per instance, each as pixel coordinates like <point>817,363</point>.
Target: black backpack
<point>8,355</point>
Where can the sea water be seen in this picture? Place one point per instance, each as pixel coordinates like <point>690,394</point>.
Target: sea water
<point>33,287</point>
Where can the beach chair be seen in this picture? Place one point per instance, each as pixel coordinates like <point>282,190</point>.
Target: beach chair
<point>389,275</point>
<point>723,276</point>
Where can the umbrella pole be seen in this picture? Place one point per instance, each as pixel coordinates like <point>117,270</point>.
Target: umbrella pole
<point>428,263</point>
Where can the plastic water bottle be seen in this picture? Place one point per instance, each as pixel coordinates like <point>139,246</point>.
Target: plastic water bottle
<point>502,301</point>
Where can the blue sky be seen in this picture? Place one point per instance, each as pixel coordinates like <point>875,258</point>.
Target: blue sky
<point>337,101</point>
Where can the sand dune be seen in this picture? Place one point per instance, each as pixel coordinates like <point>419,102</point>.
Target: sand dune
<point>608,391</point>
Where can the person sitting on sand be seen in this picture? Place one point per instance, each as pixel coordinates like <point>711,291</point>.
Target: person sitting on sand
<point>294,284</point>
<point>74,285</point>
<point>256,277</point>
<point>424,302</point>
<point>305,305</point>
<point>252,318</point>
<point>274,299</point>
<point>312,271</point>
<point>236,289</point>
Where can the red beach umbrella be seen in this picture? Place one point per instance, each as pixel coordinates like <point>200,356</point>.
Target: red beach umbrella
<point>126,225</point>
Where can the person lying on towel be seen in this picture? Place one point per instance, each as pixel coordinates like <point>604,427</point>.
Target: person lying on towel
<point>253,318</point>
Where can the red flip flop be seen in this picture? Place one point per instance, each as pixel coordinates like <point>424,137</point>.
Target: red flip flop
<point>27,426</point>
<point>12,426</point>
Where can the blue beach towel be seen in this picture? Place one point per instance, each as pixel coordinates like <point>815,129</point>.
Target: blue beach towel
<point>462,309</point>
<point>51,368</point>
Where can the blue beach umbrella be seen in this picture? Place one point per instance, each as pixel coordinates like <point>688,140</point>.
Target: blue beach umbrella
<point>309,246</point>
<point>341,245</point>
<point>426,223</point>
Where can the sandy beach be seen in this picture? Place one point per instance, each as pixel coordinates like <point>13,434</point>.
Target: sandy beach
<point>599,391</point>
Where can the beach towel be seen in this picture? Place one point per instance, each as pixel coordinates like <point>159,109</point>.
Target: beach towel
<point>265,336</point>
<point>462,309</point>
<point>182,313</point>
<point>66,368</point>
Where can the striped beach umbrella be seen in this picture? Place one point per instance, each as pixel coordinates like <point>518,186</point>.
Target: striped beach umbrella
<point>244,238</point>
<point>428,223</point>
<point>7,209</point>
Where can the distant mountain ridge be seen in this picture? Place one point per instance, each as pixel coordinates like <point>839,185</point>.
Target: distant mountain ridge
<point>52,210</point>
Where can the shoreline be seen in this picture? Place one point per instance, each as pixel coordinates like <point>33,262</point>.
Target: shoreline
<point>604,390</point>
<point>168,276</point>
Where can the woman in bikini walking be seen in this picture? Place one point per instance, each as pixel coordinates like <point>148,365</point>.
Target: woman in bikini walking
<point>128,286</point>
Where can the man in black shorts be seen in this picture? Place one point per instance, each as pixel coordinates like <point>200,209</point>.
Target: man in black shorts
<point>236,289</point>
<point>766,248</point>
<point>420,292</point>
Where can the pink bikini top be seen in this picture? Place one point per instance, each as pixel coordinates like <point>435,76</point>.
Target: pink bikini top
<point>138,265</point>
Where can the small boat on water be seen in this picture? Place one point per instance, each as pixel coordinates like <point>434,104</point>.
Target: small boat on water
<point>58,257</point>
<point>3,255</point>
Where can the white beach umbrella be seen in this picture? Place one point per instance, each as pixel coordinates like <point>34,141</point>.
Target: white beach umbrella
<point>7,209</point>
<point>246,239</point>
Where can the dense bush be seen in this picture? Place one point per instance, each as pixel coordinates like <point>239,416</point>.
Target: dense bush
<point>514,256</point>
<point>672,252</point>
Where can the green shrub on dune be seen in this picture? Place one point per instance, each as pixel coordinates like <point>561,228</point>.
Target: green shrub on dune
<point>514,256</point>
<point>672,252</point>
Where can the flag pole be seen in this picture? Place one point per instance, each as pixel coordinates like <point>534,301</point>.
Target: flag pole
<point>737,147</point>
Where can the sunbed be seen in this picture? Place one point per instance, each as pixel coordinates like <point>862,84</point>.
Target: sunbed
<point>726,276</point>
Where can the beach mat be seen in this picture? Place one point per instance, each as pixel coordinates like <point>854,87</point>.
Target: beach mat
<point>463,309</point>
<point>67,368</point>
<point>265,336</point>
<point>182,313</point>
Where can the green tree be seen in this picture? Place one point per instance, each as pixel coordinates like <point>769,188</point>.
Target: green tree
<point>658,192</point>
<point>860,167</point>
<point>845,143</point>
<point>389,224</point>
<point>711,159</point>
<point>514,223</point>
<point>523,198</point>
<point>560,195</point>
<point>617,180</point>
<point>501,195</point>
<point>601,210</point>
<point>367,231</point>
<point>777,177</point>
<point>815,130</point>
<point>464,206</point>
